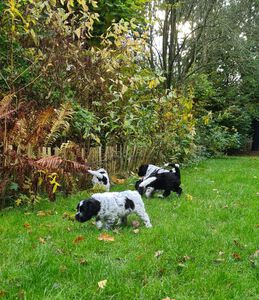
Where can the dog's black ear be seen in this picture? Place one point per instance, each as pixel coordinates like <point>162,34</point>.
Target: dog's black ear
<point>142,170</point>
<point>104,179</point>
<point>93,207</point>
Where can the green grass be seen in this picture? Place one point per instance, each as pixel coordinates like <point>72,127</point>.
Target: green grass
<point>208,237</point>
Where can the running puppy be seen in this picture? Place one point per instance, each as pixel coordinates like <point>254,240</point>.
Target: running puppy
<point>109,207</point>
<point>155,178</point>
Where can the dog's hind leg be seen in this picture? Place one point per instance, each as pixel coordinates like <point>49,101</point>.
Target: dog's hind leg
<point>179,191</point>
<point>166,193</point>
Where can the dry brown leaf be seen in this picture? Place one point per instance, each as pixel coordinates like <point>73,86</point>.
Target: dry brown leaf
<point>102,283</point>
<point>236,256</point>
<point>41,213</point>
<point>83,261</point>
<point>135,224</point>
<point>78,239</point>
<point>117,180</point>
<point>27,225</point>
<point>105,237</point>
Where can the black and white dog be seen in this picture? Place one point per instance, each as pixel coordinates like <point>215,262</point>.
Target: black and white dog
<point>101,177</point>
<point>155,178</point>
<point>110,207</point>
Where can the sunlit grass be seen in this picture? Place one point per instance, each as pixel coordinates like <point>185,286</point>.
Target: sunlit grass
<point>207,240</point>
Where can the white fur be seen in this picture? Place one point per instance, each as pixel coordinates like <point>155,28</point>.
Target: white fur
<point>151,169</point>
<point>98,176</point>
<point>147,181</point>
<point>113,208</point>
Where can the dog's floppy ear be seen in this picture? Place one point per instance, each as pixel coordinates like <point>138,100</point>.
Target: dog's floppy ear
<point>142,170</point>
<point>93,207</point>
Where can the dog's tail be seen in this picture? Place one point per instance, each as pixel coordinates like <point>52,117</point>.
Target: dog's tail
<point>175,168</point>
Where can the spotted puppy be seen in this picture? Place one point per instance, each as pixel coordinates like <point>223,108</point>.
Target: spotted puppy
<point>100,177</point>
<point>110,207</point>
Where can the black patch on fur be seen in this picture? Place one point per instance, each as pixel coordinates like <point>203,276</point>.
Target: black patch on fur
<point>129,204</point>
<point>89,209</point>
<point>103,179</point>
<point>142,170</point>
<point>169,182</point>
<point>102,172</point>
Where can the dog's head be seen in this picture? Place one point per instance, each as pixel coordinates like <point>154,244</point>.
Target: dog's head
<point>142,170</point>
<point>86,209</point>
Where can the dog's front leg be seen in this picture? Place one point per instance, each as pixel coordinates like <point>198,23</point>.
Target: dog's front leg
<point>109,223</point>
<point>144,217</point>
<point>99,224</point>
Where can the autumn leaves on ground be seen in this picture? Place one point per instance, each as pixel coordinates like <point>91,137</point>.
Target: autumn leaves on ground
<point>203,245</point>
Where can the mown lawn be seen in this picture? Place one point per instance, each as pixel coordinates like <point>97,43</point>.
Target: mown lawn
<point>207,241</point>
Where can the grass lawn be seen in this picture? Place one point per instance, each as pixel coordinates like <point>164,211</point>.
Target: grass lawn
<point>202,245</point>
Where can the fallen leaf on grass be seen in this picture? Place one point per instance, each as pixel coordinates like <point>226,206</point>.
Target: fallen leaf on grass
<point>44,213</point>
<point>2,293</point>
<point>102,283</point>
<point>189,197</point>
<point>27,225</point>
<point>105,237</point>
<point>117,180</point>
<point>42,240</point>
<point>135,224</point>
<point>219,260</point>
<point>69,216</point>
<point>236,256</point>
<point>158,253</point>
<point>83,261</point>
<point>78,239</point>
<point>136,231</point>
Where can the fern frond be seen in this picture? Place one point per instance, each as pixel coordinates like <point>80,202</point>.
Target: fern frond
<point>5,105</point>
<point>58,164</point>
<point>61,123</point>
<point>41,127</point>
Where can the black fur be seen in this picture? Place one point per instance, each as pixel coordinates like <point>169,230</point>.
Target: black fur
<point>129,204</point>
<point>104,179</point>
<point>89,209</point>
<point>167,181</point>
<point>142,170</point>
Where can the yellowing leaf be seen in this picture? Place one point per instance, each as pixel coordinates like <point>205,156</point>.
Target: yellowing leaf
<point>236,256</point>
<point>105,237</point>
<point>78,239</point>
<point>102,283</point>
<point>78,32</point>
<point>42,240</point>
<point>27,225</point>
<point>18,202</point>
<point>189,197</point>
<point>124,89</point>
<point>41,213</point>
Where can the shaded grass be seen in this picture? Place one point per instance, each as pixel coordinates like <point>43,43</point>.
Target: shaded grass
<point>207,237</point>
